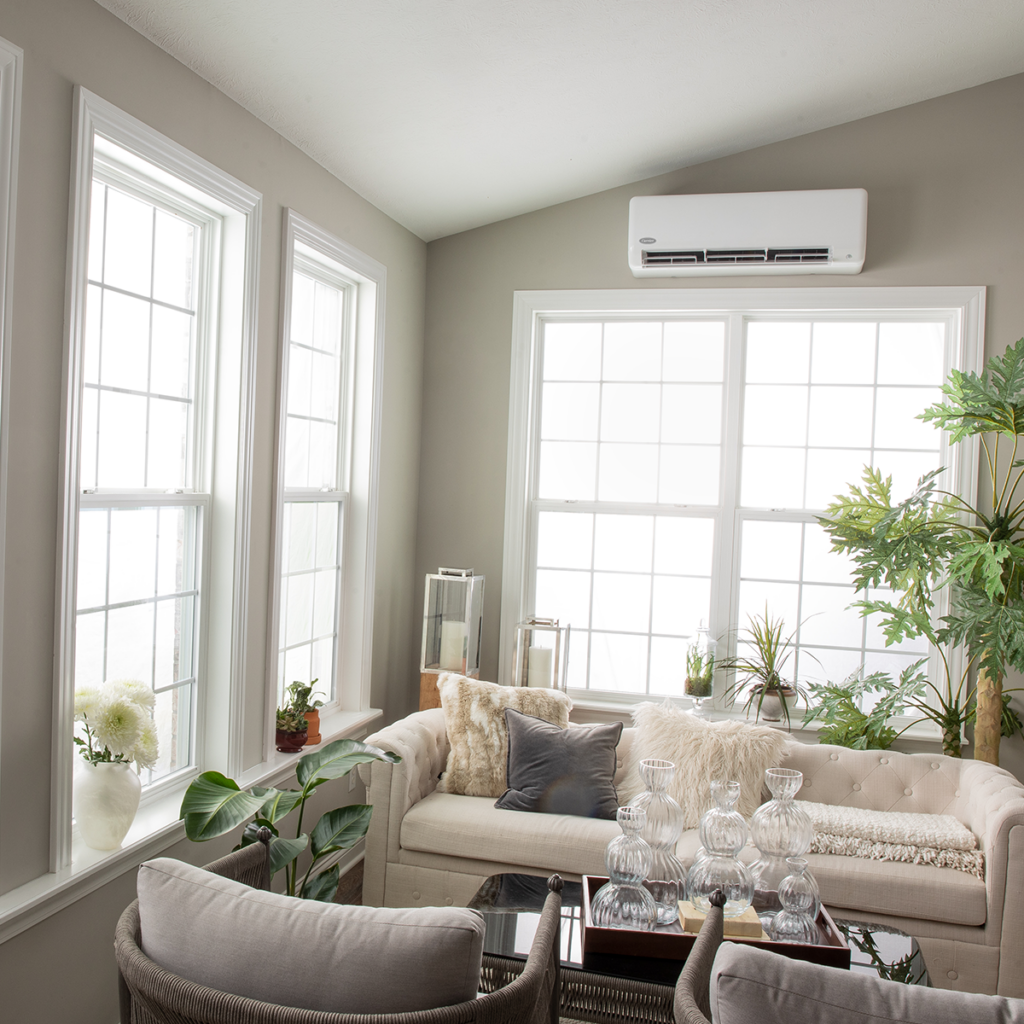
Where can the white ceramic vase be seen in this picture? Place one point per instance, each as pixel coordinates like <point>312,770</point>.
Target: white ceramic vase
<point>106,797</point>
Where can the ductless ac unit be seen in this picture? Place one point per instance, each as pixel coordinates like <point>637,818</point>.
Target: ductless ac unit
<point>819,232</point>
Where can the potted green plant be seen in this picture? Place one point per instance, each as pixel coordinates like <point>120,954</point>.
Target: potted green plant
<point>936,539</point>
<point>291,730</point>
<point>213,805</point>
<point>759,672</point>
<point>301,702</point>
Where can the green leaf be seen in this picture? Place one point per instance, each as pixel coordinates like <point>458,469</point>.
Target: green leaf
<point>284,851</point>
<point>338,759</point>
<point>322,887</point>
<point>341,828</point>
<point>213,804</point>
<point>277,802</point>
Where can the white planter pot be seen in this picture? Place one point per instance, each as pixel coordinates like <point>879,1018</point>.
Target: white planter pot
<point>106,798</point>
<point>771,707</point>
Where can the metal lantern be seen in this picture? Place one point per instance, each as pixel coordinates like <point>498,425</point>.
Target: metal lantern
<point>542,654</point>
<point>453,612</point>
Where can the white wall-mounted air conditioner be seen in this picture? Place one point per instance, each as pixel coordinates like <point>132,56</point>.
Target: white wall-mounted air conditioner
<point>817,232</point>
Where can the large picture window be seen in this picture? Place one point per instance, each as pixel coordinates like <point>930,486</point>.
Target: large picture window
<point>667,465</point>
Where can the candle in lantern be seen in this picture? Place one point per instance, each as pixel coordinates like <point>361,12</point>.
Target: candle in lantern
<point>453,643</point>
<point>539,667</point>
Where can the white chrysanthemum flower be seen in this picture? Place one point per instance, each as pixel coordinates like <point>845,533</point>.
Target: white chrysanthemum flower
<point>86,698</point>
<point>133,689</point>
<point>147,749</point>
<point>117,723</point>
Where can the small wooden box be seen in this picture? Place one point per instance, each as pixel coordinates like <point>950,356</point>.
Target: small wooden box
<point>670,942</point>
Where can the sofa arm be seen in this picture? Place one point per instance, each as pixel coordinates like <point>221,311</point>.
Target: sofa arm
<point>991,803</point>
<point>391,789</point>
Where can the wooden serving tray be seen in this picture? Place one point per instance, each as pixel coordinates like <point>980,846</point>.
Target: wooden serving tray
<point>670,942</point>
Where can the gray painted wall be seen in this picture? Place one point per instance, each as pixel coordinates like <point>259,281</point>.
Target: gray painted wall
<point>945,207</point>
<point>63,969</point>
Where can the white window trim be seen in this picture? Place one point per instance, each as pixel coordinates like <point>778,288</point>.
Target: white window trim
<point>964,304</point>
<point>242,207</point>
<point>12,60</point>
<point>361,464</point>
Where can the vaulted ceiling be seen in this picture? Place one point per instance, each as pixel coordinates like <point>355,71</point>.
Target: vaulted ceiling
<point>449,114</point>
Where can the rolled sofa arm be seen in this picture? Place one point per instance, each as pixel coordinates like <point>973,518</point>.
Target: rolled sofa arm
<point>391,789</point>
<point>991,804</point>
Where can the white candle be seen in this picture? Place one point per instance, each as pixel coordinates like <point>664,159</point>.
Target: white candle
<point>539,667</point>
<point>453,643</point>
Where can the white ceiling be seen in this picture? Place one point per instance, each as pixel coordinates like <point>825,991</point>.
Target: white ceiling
<point>449,114</point>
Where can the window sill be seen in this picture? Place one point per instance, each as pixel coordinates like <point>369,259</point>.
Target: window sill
<point>607,709</point>
<point>156,828</point>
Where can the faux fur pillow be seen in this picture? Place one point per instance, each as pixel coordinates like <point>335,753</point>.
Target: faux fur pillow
<point>702,752</point>
<point>474,718</point>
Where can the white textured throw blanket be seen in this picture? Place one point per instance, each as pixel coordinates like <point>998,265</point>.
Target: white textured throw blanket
<point>937,839</point>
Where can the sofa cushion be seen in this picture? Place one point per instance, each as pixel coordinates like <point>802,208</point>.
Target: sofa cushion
<point>560,771</point>
<point>473,828</point>
<point>302,953</point>
<point>474,718</point>
<point>866,887</point>
<point>701,751</point>
<point>754,985</point>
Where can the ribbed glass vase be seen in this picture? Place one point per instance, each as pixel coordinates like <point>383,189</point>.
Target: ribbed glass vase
<point>623,902</point>
<point>666,878</point>
<point>780,828</point>
<point>723,832</point>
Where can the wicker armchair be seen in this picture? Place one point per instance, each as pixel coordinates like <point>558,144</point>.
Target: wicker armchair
<point>692,1005</point>
<point>151,995</point>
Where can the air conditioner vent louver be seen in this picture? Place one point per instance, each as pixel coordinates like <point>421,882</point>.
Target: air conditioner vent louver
<point>705,257</point>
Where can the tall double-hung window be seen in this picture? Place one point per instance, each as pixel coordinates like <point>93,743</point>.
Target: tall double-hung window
<point>158,420</point>
<point>669,453</point>
<point>331,332</point>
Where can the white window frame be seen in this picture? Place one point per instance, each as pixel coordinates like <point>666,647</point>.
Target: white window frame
<point>229,431</point>
<point>365,281</point>
<point>12,60</point>
<point>963,307</point>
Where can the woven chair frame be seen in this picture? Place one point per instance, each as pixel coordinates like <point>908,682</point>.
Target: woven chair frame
<point>151,995</point>
<point>692,1003</point>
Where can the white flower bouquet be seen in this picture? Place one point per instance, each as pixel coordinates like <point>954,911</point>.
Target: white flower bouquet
<point>117,724</point>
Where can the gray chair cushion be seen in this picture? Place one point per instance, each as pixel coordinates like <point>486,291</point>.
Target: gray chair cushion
<point>301,953</point>
<point>560,771</point>
<point>755,985</point>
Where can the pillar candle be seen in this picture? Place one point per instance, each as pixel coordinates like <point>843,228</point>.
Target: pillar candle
<point>539,670</point>
<point>453,642</point>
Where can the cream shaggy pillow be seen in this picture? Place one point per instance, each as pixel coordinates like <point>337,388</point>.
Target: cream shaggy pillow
<point>474,718</point>
<point>702,752</point>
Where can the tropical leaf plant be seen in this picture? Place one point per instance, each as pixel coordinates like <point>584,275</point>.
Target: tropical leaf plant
<point>214,804</point>
<point>936,539</point>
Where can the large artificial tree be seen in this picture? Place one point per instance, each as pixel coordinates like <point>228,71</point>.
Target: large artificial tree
<point>936,539</point>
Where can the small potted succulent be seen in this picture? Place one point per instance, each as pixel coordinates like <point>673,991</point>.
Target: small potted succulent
<point>310,709</point>
<point>292,730</point>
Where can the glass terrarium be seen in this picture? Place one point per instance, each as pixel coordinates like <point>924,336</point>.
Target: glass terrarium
<point>453,612</point>
<point>699,683</point>
<point>542,654</point>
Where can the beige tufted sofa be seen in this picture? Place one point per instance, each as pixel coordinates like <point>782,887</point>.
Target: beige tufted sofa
<point>429,848</point>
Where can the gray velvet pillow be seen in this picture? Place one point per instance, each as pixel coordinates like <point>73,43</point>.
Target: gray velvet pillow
<point>560,771</point>
<point>302,953</point>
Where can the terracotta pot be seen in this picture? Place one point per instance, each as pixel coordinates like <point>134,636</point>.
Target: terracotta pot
<point>291,742</point>
<point>106,797</point>
<point>313,727</point>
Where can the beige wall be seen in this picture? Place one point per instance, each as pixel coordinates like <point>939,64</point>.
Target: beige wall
<point>946,207</point>
<point>69,42</point>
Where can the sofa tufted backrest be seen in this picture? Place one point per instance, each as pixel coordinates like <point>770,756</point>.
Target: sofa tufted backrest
<point>622,755</point>
<point>877,780</point>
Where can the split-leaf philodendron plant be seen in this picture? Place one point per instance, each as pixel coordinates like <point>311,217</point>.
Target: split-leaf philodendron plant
<point>936,539</point>
<point>213,804</point>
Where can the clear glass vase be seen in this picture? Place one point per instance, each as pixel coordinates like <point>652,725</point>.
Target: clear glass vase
<point>623,902</point>
<point>666,878</point>
<point>723,833</point>
<point>780,828</point>
<point>801,902</point>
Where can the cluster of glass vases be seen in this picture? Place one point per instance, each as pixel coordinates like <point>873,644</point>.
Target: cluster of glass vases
<point>785,892</point>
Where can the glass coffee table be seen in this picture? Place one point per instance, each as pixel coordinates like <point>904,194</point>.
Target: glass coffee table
<point>610,988</point>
